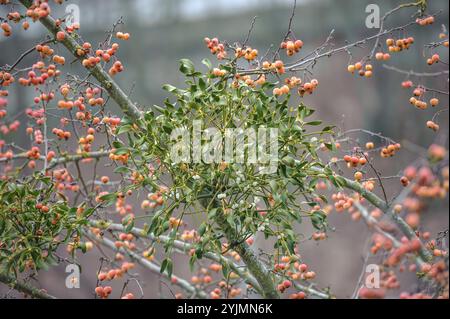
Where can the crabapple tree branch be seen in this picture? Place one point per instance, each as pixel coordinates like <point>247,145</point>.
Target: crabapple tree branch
<point>25,288</point>
<point>105,80</point>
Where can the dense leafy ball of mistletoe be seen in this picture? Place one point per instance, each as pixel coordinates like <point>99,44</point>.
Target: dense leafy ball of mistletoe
<point>270,202</point>
<point>34,221</point>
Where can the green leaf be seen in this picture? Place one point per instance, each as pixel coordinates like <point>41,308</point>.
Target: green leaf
<point>187,67</point>
<point>314,123</point>
<point>169,88</point>
<point>124,129</point>
<point>207,63</point>
<point>122,170</point>
<point>164,265</point>
<point>108,197</point>
<point>202,229</point>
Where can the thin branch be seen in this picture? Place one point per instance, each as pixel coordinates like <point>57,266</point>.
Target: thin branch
<point>24,287</point>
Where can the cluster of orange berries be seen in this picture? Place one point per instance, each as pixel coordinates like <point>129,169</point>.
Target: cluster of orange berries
<point>38,10</point>
<point>45,73</point>
<point>292,47</point>
<point>43,208</point>
<point>64,180</point>
<point>363,70</point>
<point>61,134</point>
<point>82,116</point>
<point>231,292</point>
<point>399,44</point>
<point>293,82</point>
<point>427,185</point>
<point>294,270</point>
<point>84,49</point>
<point>123,36</point>
<point>175,223</point>
<point>113,122</point>
<point>116,68</point>
<point>86,142</point>
<point>7,30</point>
<point>122,208</point>
<point>248,53</point>
<point>281,91</point>
<point>248,80</point>
<point>12,127</point>
<point>442,36</point>
<point>70,29</point>
<point>355,160</point>
<point>103,292</point>
<point>416,100</point>
<point>6,79</point>
<point>219,72</point>
<point>44,50</point>
<point>381,56</point>
<point>115,273</point>
<point>37,115</point>
<point>136,177</point>
<point>437,271</point>
<point>154,200</point>
<point>14,16</point>
<point>431,245</point>
<point>215,267</point>
<point>308,87</point>
<point>123,158</point>
<point>91,61</point>
<point>34,153</point>
<point>59,59</point>
<point>8,155</point>
<point>419,295</point>
<point>125,240</point>
<point>380,242</point>
<point>433,126</point>
<point>422,105</point>
<point>204,279</point>
<point>65,105</point>
<point>435,58</point>
<point>342,202</point>
<point>189,235</point>
<point>33,79</point>
<point>227,251</point>
<point>425,21</point>
<point>318,236</point>
<point>38,137</point>
<point>407,247</point>
<point>390,150</point>
<point>107,54</point>
<point>371,293</point>
<point>91,94</point>
<point>277,66</point>
<point>216,48</point>
<point>389,280</point>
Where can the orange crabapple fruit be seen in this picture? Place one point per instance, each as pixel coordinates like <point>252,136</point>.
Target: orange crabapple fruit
<point>407,84</point>
<point>370,145</point>
<point>433,126</point>
<point>60,36</point>
<point>218,49</point>
<point>123,36</point>
<point>434,102</point>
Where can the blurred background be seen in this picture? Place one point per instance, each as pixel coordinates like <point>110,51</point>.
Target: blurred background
<point>164,31</point>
